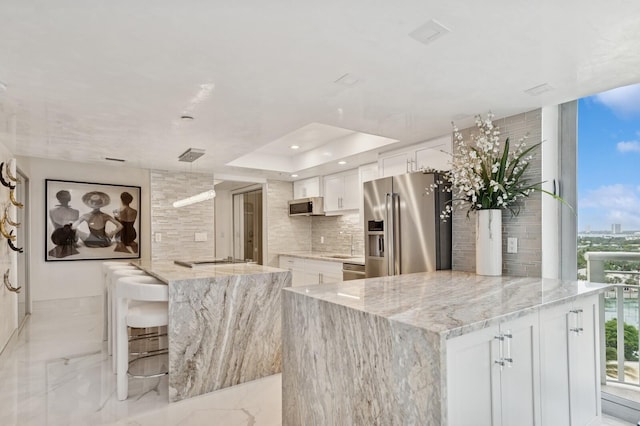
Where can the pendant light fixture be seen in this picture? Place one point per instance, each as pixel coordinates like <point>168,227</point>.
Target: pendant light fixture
<point>189,156</point>
<point>198,198</point>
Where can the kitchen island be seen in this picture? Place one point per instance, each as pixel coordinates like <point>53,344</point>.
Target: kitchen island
<point>430,349</point>
<point>224,324</point>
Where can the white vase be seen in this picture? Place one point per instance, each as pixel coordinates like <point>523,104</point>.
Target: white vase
<point>489,242</point>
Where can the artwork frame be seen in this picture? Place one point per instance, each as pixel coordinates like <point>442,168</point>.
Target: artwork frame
<point>115,218</point>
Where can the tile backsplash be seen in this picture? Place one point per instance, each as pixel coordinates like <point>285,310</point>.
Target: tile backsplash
<point>339,233</point>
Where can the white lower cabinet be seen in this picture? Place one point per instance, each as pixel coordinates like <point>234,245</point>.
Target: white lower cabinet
<point>492,375</point>
<point>569,359</point>
<point>311,271</point>
<point>539,369</point>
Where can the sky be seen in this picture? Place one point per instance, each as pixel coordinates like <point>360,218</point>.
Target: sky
<point>609,160</point>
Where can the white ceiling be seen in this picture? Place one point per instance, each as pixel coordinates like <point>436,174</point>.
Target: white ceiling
<point>94,79</point>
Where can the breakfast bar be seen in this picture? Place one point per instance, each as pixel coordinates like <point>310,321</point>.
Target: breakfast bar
<point>224,323</point>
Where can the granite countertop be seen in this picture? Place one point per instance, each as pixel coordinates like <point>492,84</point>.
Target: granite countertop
<point>167,271</point>
<point>331,257</point>
<point>449,303</point>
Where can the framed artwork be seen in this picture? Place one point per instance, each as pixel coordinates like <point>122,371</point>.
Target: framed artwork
<point>91,221</point>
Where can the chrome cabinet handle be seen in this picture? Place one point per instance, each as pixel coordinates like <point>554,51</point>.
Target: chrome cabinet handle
<point>578,329</point>
<point>507,340</point>
<point>504,350</point>
<point>500,361</point>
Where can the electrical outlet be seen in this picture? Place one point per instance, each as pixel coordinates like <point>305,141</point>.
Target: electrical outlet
<point>158,237</point>
<point>321,240</point>
<point>512,245</point>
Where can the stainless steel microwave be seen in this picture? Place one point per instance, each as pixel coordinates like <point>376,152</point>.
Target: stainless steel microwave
<point>313,206</point>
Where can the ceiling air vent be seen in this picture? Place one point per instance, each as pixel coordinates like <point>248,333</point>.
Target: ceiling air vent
<point>429,32</point>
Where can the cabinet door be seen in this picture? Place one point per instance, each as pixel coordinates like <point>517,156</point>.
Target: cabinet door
<point>569,363</point>
<point>482,391</point>
<point>396,164</point>
<point>584,355</point>
<point>473,380</point>
<point>351,194</point>
<point>554,365</point>
<point>520,379</point>
<point>435,154</point>
<point>306,188</point>
<point>333,190</point>
<point>326,271</point>
<point>433,158</point>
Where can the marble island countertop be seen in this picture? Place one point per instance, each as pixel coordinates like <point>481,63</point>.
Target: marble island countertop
<point>167,270</point>
<point>332,257</point>
<point>449,303</point>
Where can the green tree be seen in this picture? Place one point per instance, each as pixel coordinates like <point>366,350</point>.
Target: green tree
<point>630,338</point>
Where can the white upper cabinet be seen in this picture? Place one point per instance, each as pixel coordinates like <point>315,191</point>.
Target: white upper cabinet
<point>368,172</point>
<point>306,188</point>
<point>342,192</point>
<point>433,154</point>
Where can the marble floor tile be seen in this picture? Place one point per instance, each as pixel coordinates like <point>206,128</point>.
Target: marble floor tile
<point>56,371</point>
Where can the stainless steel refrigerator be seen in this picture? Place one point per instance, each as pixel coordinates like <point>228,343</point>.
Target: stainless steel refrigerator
<point>403,230</point>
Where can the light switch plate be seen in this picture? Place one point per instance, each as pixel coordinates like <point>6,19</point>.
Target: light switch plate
<point>512,245</point>
<point>200,236</point>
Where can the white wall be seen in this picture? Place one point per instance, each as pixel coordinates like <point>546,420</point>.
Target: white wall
<point>60,279</point>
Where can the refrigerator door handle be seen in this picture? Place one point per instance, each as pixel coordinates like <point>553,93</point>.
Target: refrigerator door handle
<point>395,245</point>
<point>388,232</point>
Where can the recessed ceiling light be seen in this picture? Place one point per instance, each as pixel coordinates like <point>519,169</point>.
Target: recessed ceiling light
<point>294,175</point>
<point>347,80</point>
<point>294,147</point>
<point>538,90</point>
<point>429,32</point>
<point>342,162</point>
<point>186,117</point>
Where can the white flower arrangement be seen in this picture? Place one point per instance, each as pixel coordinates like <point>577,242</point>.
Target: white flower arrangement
<point>484,176</point>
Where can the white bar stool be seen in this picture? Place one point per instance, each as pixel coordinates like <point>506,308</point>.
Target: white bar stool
<point>106,267</point>
<point>151,311</point>
<point>113,276</point>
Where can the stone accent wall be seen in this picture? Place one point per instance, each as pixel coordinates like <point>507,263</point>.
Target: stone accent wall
<point>284,233</point>
<point>177,226</point>
<point>339,232</point>
<point>526,227</point>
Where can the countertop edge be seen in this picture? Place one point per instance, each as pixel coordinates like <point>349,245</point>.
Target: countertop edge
<point>449,330</point>
<point>469,328</point>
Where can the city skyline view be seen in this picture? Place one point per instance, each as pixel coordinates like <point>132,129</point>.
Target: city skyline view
<point>608,159</point>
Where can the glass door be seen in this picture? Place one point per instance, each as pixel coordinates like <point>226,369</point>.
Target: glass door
<point>247,226</point>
